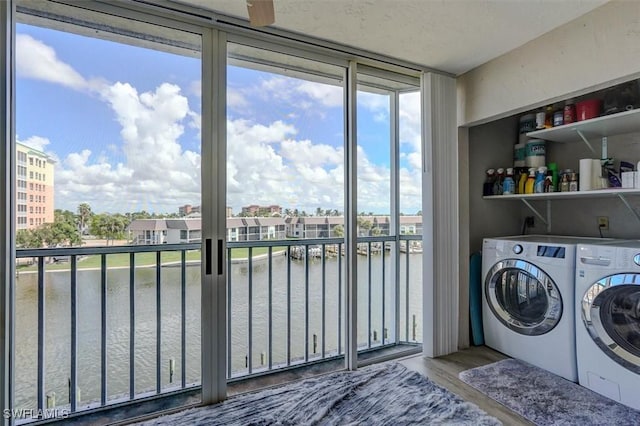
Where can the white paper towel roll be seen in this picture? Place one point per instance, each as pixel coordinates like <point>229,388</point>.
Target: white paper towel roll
<point>596,175</point>
<point>586,168</point>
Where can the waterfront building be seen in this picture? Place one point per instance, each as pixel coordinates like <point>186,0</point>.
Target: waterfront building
<point>256,210</point>
<point>188,230</point>
<point>34,187</point>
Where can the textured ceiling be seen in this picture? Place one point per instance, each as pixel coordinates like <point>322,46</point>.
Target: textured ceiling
<point>450,35</point>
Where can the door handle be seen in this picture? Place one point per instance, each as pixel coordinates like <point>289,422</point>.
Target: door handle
<point>220,258</point>
<point>207,256</point>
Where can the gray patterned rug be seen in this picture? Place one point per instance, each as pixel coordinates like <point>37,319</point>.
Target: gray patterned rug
<point>545,398</point>
<point>385,394</point>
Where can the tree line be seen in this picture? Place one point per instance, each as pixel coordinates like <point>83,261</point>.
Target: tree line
<point>68,227</point>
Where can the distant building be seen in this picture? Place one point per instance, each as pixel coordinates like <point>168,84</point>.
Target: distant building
<point>189,230</point>
<point>165,231</point>
<point>34,187</point>
<point>185,210</point>
<point>255,210</point>
<point>188,209</point>
<point>314,226</point>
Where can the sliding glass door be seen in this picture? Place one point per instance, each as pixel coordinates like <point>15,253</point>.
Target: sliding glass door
<point>108,169</point>
<point>285,201</point>
<point>388,202</point>
<point>183,209</point>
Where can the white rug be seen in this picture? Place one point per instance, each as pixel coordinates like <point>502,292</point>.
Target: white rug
<point>545,398</point>
<point>385,394</point>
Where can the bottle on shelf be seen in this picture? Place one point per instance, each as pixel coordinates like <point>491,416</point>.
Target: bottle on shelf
<point>564,181</point>
<point>531,179</point>
<point>541,174</point>
<point>487,188</point>
<point>548,182</point>
<point>573,182</point>
<point>497,186</point>
<point>553,168</point>
<point>522,180</point>
<point>509,185</point>
<point>548,117</point>
<point>558,117</point>
<point>540,119</point>
<point>569,115</point>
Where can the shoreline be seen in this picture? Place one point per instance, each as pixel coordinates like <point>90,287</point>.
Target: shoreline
<point>153,265</point>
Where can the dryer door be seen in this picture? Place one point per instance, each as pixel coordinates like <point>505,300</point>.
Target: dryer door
<point>611,313</point>
<point>523,297</point>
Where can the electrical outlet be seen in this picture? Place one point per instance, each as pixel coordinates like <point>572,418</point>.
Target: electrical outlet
<point>529,221</point>
<point>603,222</point>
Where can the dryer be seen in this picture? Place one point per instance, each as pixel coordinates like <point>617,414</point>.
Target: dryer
<point>528,299</point>
<point>608,320</point>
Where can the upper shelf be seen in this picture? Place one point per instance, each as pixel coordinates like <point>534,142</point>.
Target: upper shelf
<point>608,125</point>
<point>596,193</point>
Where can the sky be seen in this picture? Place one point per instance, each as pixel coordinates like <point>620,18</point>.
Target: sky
<point>123,126</point>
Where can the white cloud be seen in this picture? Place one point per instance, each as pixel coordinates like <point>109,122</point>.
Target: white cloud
<point>36,142</point>
<point>36,60</point>
<point>327,95</point>
<point>156,174</point>
<point>306,152</point>
<point>235,99</point>
<point>151,170</point>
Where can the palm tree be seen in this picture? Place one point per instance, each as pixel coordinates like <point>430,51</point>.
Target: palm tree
<point>84,216</point>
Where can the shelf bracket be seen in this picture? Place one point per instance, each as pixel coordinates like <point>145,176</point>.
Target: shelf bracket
<point>585,140</point>
<point>629,206</point>
<point>546,221</point>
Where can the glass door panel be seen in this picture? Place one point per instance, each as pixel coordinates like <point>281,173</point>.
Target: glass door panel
<point>285,208</point>
<point>108,179</point>
<point>410,217</point>
<point>388,153</point>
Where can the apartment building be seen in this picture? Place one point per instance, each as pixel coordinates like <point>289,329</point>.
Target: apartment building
<point>34,187</point>
<point>256,210</point>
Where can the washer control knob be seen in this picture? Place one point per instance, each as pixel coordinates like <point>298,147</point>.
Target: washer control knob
<point>517,249</point>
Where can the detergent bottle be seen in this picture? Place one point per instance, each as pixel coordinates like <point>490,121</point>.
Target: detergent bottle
<point>531,180</point>
<point>541,174</point>
<point>509,185</point>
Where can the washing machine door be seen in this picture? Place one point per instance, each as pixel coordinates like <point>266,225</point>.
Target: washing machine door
<point>611,313</point>
<point>523,297</point>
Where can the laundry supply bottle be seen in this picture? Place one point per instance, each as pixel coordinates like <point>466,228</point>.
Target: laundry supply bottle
<point>548,182</point>
<point>553,168</point>
<point>531,180</point>
<point>509,185</point>
<point>522,180</point>
<point>541,174</point>
<point>564,182</point>
<point>497,186</point>
<point>487,187</point>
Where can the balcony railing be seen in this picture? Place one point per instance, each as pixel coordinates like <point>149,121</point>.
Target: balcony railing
<point>129,327</point>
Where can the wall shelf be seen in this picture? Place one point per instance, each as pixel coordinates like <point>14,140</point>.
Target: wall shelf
<point>620,193</point>
<point>596,193</point>
<point>608,125</point>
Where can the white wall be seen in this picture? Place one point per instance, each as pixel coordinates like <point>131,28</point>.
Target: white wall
<point>594,51</point>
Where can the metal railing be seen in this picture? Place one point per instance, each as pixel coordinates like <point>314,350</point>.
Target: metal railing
<point>285,309</point>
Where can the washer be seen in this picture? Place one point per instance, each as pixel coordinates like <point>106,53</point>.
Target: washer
<point>608,320</point>
<point>528,299</point>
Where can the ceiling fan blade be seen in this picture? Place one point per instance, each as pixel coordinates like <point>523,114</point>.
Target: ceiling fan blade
<point>260,12</point>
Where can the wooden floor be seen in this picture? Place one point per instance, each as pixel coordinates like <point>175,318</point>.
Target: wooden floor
<point>444,371</point>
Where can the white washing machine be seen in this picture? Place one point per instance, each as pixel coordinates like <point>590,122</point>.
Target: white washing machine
<point>528,299</point>
<point>608,320</point>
